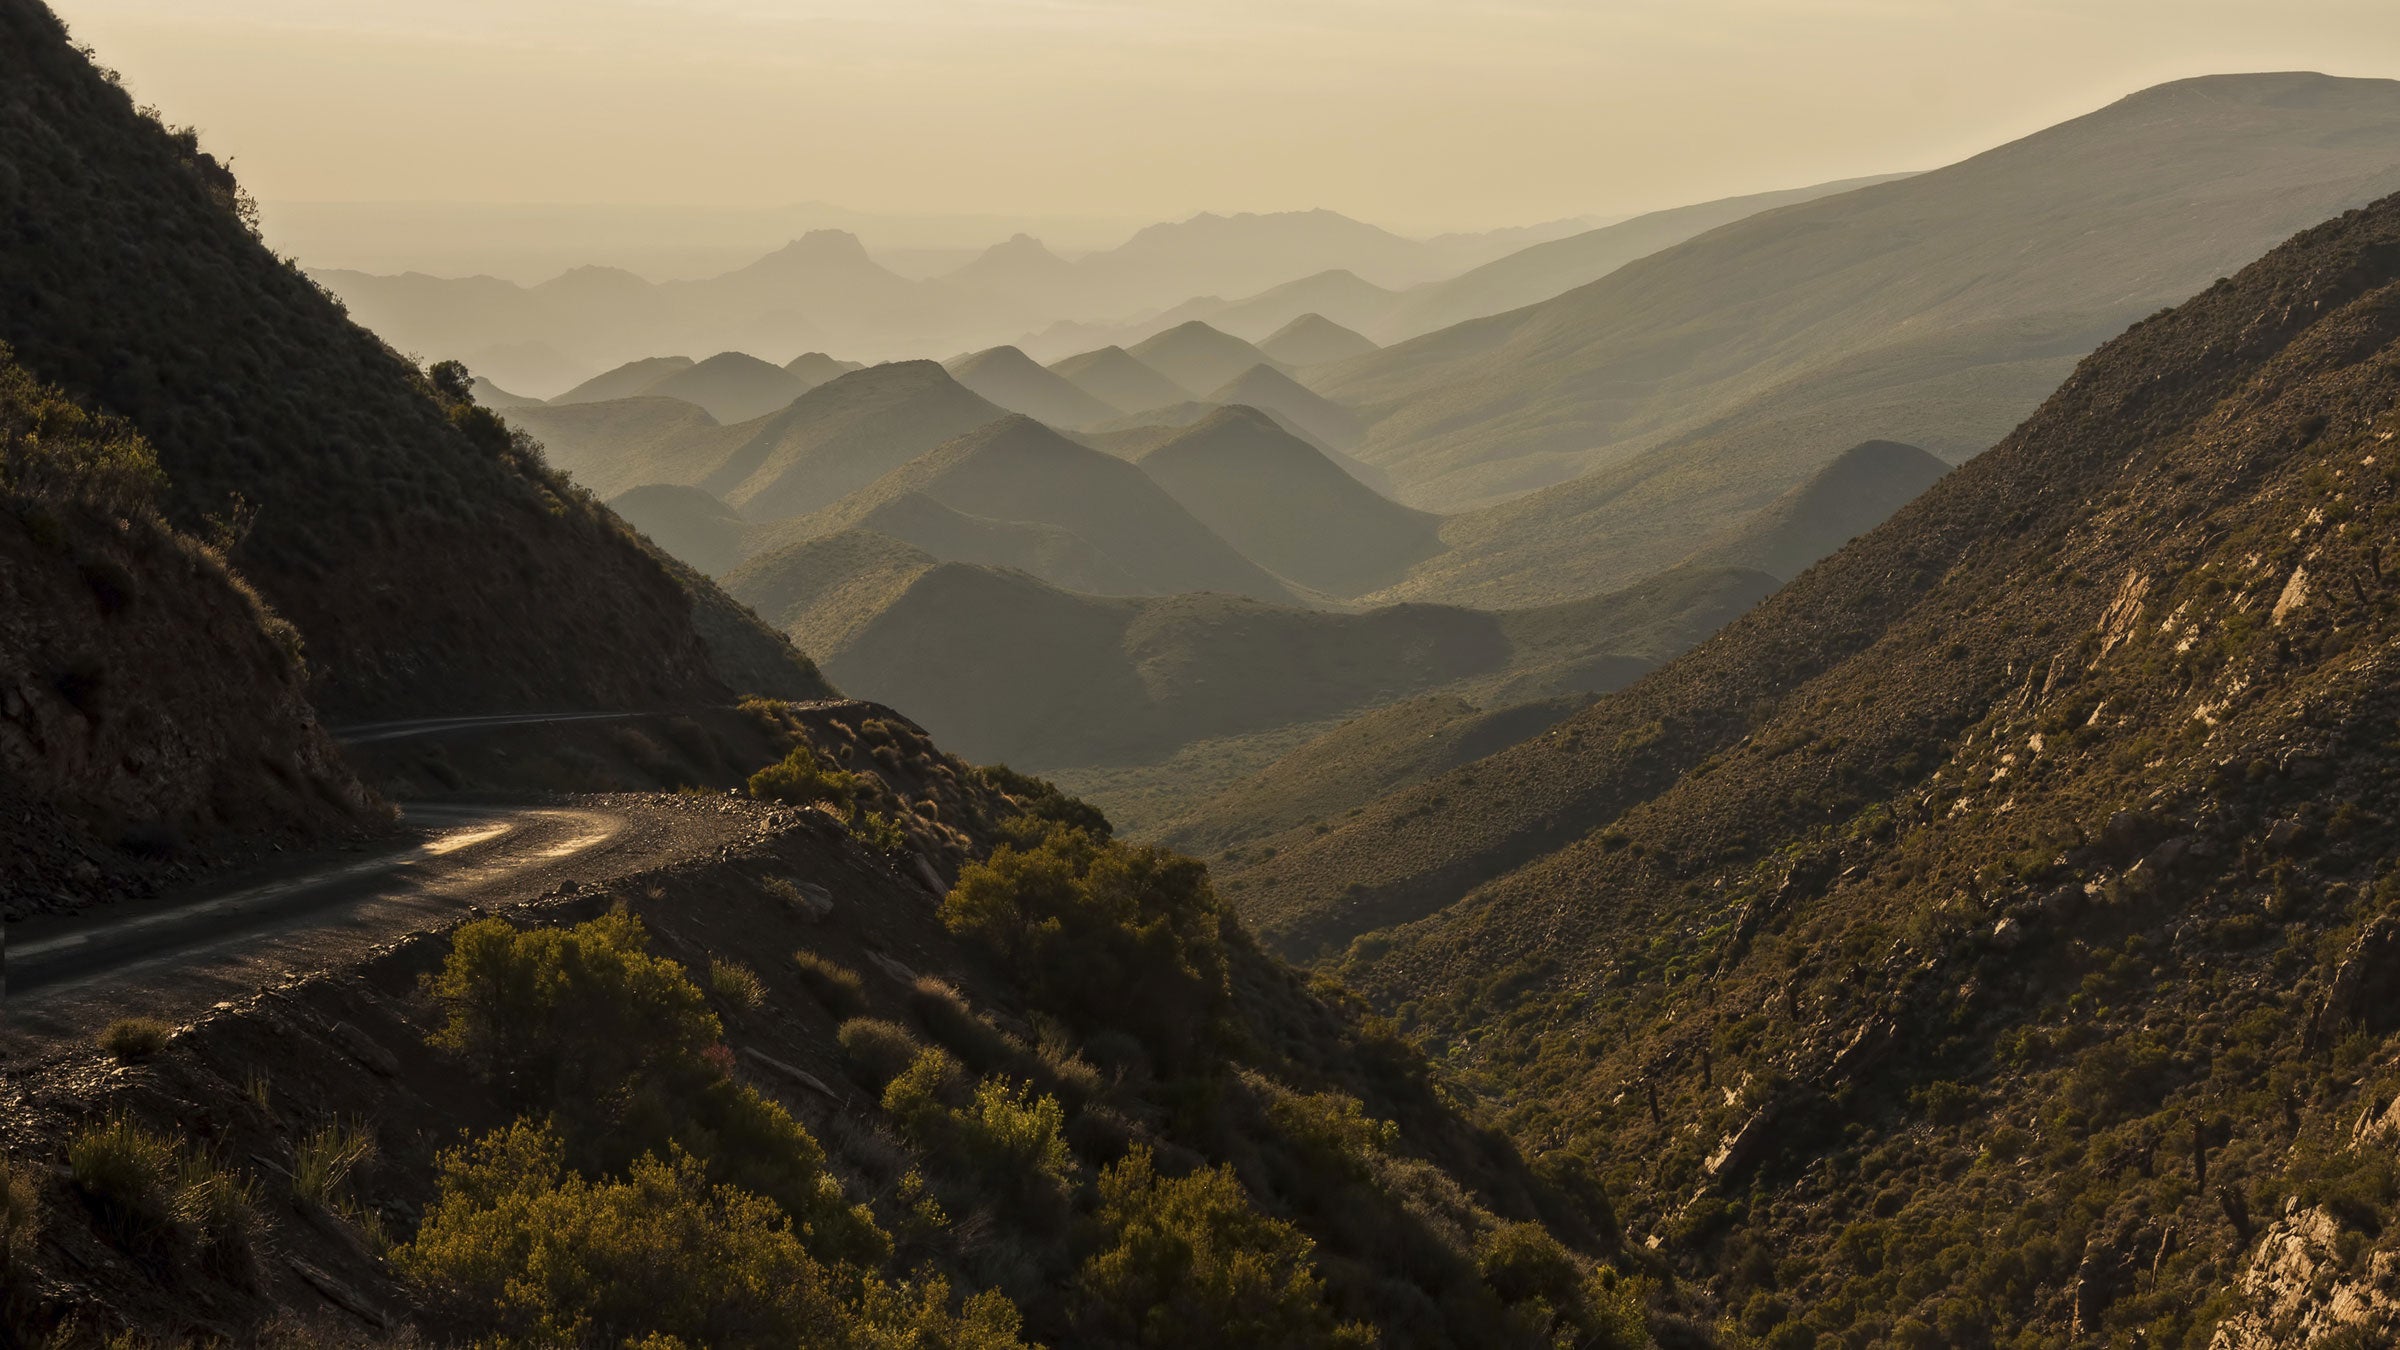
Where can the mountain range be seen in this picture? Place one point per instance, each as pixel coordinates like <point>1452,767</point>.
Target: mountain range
<point>1698,382</point>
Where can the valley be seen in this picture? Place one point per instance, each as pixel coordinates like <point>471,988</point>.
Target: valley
<point>1807,768</point>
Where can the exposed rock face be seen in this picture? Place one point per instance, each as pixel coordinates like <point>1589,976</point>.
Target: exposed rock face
<point>2301,1290</point>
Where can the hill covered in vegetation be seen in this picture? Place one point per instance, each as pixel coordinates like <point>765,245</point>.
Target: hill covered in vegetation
<point>1976,943</point>
<point>428,559</point>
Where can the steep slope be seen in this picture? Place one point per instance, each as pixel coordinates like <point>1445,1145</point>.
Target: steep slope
<point>430,563</point>
<point>1197,356</point>
<point>1937,310</point>
<point>1009,378</point>
<point>685,521</point>
<point>841,436</point>
<point>614,445</point>
<point>732,387</point>
<point>1314,340</point>
<point>1286,506</point>
<point>152,711</point>
<point>631,380</point>
<point>1263,386</point>
<point>1018,470</point>
<point>2025,865</point>
<point>1535,274</point>
<point>1844,500</point>
<point>1367,757</point>
<point>1119,379</point>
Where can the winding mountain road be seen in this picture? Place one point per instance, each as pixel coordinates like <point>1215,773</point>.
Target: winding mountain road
<point>173,956</point>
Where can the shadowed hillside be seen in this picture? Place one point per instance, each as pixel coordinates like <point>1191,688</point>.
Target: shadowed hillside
<point>1064,679</point>
<point>1286,506</point>
<point>1010,378</point>
<point>152,710</point>
<point>1119,379</point>
<point>1314,340</point>
<point>1197,356</point>
<point>841,436</point>
<point>1017,470</point>
<point>1844,500</point>
<point>618,444</point>
<point>430,562</point>
<point>631,380</point>
<point>1263,386</point>
<point>731,386</point>
<point>1362,759</point>
<point>815,368</point>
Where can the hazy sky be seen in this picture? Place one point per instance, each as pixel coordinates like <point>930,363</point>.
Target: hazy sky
<point>1417,114</point>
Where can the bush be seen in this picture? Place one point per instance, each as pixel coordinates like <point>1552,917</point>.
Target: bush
<point>135,1038</point>
<point>944,1014</point>
<point>52,449</point>
<point>1190,1263</point>
<point>801,779</point>
<point>737,984</point>
<point>999,1136</point>
<point>1103,935</point>
<point>1044,805</point>
<point>1332,1131</point>
<point>829,982</point>
<point>518,1244</point>
<point>917,1316</point>
<point>619,1047</point>
<point>879,833</point>
<point>878,1051</point>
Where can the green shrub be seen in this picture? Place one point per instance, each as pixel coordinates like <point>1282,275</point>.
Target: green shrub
<point>1103,935</point>
<point>51,448</point>
<point>568,1014</point>
<point>879,833</point>
<point>878,1051</point>
<point>619,1048</point>
<point>1332,1131</point>
<point>998,1136</point>
<point>801,779</point>
<point>1043,805</point>
<point>917,1316</point>
<point>1190,1263</point>
<point>839,988</point>
<point>135,1038</point>
<point>944,1014</point>
<point>737,984</point>
<point>518,1244</point>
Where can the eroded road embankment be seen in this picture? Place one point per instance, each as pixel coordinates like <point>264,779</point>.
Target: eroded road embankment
<point>176,955</point>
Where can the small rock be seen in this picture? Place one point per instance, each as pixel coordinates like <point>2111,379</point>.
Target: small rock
<point>366,1051</point>
<point>2285,835</point>
<point>2008,934</point>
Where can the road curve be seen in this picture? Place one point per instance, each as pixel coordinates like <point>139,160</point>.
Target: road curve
<point>370,733</point>
<point>170,957</point>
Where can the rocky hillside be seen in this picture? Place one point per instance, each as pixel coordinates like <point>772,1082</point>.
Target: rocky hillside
<point>153,711</point>
<point>866,1114</point>
<point>1985,941</point>
<point>430,562</point>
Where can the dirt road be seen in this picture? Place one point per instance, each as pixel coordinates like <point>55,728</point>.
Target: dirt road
<point>176,955</point>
